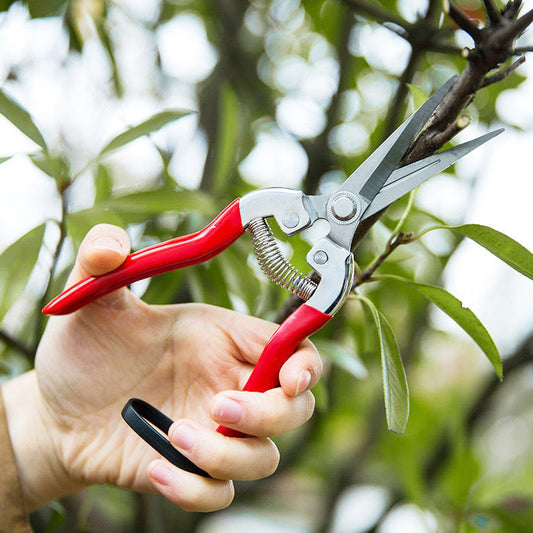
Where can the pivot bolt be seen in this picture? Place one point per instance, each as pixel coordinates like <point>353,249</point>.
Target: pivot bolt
<point>320,257</point>
<point>290,220</point>
<point>344,207</point>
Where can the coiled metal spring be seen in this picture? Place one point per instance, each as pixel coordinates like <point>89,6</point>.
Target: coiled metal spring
<point>274,265</point>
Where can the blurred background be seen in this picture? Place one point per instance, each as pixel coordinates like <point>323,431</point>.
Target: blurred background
<point>292,93</point>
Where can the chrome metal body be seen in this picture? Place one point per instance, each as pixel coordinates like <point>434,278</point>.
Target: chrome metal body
<point>374,185</point>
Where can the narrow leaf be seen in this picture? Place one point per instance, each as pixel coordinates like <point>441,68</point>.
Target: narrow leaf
<point>395,390</point>
<point>80,222</point>
<point>16,265</point>
<point>45,8</point>
<point>463,316</point>
<point>103,184</point>
<point>52,165</point>
<point>4,159</point>
<point>105,39</point>
<point>137,207</point>
<point>227,137</point>
<point>499,244</point>
<point>21,119</point>
<point>419,96</point>
<point>154,123</point>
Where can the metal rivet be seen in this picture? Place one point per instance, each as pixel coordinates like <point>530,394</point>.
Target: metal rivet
<point>320,257</point>
<point>290,219</point>
<point>344,208</point>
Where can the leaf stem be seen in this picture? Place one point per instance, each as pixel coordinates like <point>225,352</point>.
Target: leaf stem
<point>394,242</point>
<point>62,224</point>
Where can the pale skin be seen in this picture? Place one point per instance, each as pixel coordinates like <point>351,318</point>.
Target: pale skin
<point>188,360</point>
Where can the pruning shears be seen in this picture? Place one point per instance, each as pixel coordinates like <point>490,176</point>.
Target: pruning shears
<point>374,185</point>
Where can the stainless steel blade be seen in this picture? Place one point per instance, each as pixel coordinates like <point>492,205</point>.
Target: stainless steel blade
<point>370,176</point>
<point>405,179</point>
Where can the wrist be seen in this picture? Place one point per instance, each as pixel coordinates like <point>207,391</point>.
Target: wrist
<point>42,475</point>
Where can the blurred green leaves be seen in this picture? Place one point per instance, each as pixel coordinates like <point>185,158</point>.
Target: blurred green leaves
<point>227,137</point>
<point>16,265</point>
<point>21,119</point>
<point>418,95</point>
<point>45,8</point>
<point>146,127</point>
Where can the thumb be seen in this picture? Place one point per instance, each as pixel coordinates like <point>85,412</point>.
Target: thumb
<point>104,248</point>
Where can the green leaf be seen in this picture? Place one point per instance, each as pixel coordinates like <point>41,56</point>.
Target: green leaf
<point>21,119</point>
<point>137,207</point>
<point>16,265</point>
<point>154,123</point>
<point>105,39</point>
<point>463,316</point>
<point>227,137</point>
<point>419,96</point>
<point>395,388</point>
<point>45,8</point>
<point>52,165</point>
<point>6,4</point>
<point>103,184</point>
<point>80,222</point>
<point>4,159</point>
<point>499,244</point>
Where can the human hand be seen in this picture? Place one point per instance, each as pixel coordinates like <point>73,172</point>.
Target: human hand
<point>189,360</point>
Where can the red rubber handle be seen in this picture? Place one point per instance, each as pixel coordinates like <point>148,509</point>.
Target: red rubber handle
<point>286,339</point>
<point>170,255</point>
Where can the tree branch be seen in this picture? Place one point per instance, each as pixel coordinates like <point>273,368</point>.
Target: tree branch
<point>493,14</point>
<point>377,13</point>
<point>63,233</point>
<point>502,74</point>
<point>463,21</point>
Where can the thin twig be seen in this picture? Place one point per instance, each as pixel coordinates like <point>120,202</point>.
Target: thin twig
<point>63,233</point>
<point>464,21</point>
<point>395,242</point>
<point>511,10</point>
<point>452,130</point>
<point>502,74</point>
<point>376,12</point>
<point>493,13</point>
<point>522,50</point>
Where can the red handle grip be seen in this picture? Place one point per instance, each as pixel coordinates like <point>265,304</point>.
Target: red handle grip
<point>170,255</point>
<point>265,376</point>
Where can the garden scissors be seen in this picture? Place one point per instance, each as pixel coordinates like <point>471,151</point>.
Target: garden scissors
<point>375,184</point>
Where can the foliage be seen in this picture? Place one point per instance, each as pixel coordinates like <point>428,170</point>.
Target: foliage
<point>269,52</point>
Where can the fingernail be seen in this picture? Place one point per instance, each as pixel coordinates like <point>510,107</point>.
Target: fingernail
<point>161,474</point>
<point>227,410</point>
<point>107,243</point>
<point>183,436</point>
<point>303,381</point>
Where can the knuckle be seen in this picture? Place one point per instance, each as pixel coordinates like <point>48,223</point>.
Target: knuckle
<point>218,462</point>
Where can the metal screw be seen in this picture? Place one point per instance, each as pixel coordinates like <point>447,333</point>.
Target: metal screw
<point>344,208</point>
<point>320,257</point>
<point>290,219</point>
